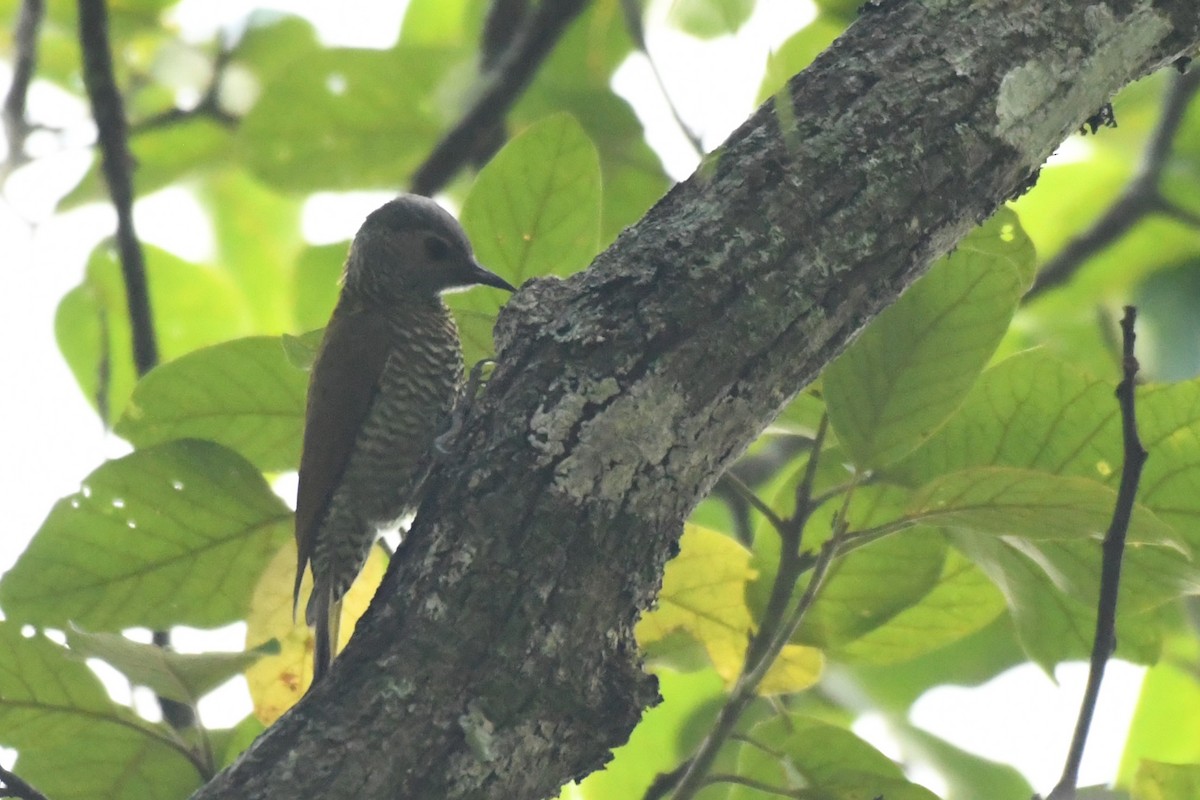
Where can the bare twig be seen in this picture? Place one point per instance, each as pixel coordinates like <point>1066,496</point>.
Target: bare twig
<point>632,11</point>
<point>1114,551</point>
<point>12,786</point>
<point>25,39</point>
<point>777,627</point>
<point>745,690</point>
<point>752,470</point>
<point>116,161</point>
<point>1141,197</point>
<point>791,561</point>
<point>751,783</point>
<point>502,85</point>
<point>738,487</point>
<point>209,105</point>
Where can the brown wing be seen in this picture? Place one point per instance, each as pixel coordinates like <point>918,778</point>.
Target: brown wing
<point>344,381</point>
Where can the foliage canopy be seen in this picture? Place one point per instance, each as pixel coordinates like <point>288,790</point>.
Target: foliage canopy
<point>965,449</point>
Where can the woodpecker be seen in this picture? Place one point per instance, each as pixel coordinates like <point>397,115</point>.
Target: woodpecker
<point>382,388</point>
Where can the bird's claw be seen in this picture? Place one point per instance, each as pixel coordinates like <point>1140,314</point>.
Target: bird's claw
<point>475,380</point>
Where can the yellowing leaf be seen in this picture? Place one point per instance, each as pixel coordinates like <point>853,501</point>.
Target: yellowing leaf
<point>796,668</point>
<point>704,595</point>
<point>278,681</point>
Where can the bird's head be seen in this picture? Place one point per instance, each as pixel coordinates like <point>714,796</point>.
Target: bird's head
<point>411,247</point>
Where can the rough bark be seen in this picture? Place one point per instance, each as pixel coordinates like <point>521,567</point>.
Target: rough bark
<point>498,658</point>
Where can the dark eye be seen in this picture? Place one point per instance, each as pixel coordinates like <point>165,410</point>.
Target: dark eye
<point>437,249</point>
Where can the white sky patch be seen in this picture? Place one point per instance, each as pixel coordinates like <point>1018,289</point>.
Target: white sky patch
<point>1022,718</point>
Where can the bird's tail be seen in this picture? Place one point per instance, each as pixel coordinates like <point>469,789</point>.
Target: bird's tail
<point>325,614</point>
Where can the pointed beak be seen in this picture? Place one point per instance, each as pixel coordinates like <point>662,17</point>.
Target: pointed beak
<point>482,275</point>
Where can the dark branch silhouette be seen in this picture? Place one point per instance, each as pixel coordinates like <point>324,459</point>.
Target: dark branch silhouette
<point>1141,198</point>
<point>25,39</point>
<point>15,787</point>
<point>108,111</point>
<point>116,161</point>
<point>502,85</point>
<point>1114,552</point>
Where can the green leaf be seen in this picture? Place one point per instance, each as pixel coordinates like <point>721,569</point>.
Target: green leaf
<point>535,207</point>
<point>301,351</point>
<point>707,19</point>
<point>1030,505</point>
<point>1158,781</point>
<point>1054,627</point>
<point>1169,421</point>
<point>962,602</point>
<point>1150,576</point>
<point>1170,693</point>
<point>442,22</point>
<point>872,585</point>
<point>1030,411</point>
<point>192,306</point>
<point>274,43</point>
<point>797,53</point>
<point>964,772</point>
<point>534,210</point>
<point>258,239</point>
<point>892,688</point>
<point>183,677</point>
<point>656,744</point>
<point>1033,411</point>
<point>577,78</point>
<point>344,119</point>
<point>915,363</point>
<point>318,270</point>
<point>823,759</point>
<point>73,740</point>
<point>243,394</point>
<point>164,155</point>
<point>173,535</point>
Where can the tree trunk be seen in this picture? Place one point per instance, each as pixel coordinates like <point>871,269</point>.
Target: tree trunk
<point>498,660</point>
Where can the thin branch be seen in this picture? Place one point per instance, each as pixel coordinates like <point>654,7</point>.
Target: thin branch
<point>13,786</point>
<point>756,744</point>
<point>633,23</point>
<point>1114,550</point>
<point>209,105</point>
<point>745,690</point>
<point>116,161</point>
<point>738,487</point>
<point>25,39</point>
<point>751,783</point>
<point>501,87</point>
<point>773,632</point>
<point>752,470</point>
<point>1141,197</point>
<point>792,562</point>
<point>804,490</point>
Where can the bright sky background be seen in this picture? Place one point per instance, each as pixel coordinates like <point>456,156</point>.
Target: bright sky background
<point>50,438</point>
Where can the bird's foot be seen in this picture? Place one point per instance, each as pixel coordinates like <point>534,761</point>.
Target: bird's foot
<point>466,398</point>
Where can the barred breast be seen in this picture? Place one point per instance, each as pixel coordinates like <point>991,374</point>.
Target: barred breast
<point>392,452</point>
